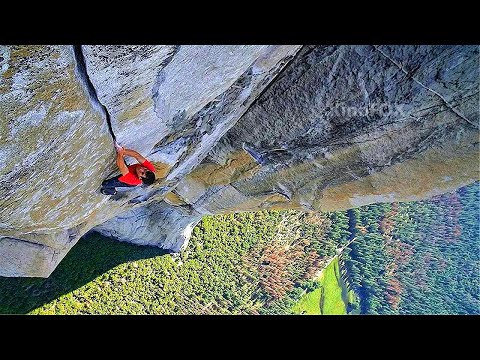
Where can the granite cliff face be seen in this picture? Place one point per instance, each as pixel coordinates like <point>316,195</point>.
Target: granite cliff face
<point>229,128</point>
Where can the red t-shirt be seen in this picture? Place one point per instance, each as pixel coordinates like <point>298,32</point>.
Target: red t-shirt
<point>131,178</point>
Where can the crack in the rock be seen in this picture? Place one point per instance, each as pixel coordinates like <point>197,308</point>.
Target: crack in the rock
<point>25,241</point>
<point>92,92</point>
<point>458,113</point>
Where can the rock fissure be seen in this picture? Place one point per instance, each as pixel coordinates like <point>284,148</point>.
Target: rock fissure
<point>91,91</point>
<point>24,241</point>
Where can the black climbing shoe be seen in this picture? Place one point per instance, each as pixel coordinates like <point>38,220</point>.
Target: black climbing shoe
<point>108,191</point>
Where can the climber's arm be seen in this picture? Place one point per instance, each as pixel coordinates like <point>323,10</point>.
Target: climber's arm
<point>136,155</point>
<point>121,163</point>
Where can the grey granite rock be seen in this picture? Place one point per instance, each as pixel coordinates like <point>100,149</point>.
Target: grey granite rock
<point>321,128</point>
<point>171,103</point>
<point>346,126</point>
<point>156,224</point>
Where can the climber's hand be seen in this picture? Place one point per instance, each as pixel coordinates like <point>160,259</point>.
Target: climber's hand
<point>120,151</point>
<point>118,148</point>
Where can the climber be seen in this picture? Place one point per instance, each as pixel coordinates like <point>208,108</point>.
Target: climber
<point>132,176</point>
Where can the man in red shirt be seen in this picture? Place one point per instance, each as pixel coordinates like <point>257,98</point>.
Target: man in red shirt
<point>132,176</point>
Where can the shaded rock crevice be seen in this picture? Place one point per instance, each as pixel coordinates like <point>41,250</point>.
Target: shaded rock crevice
<point>90,88</point>
<point>23,241</point>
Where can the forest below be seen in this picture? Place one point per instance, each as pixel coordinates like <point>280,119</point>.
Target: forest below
<point>418,257</point>
<point>402,258</point>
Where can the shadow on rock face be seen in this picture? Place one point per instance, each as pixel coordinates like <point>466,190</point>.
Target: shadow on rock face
<point>92,256</point>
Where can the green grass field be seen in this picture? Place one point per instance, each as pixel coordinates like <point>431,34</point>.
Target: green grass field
<point>332,302</point>
<point>309,304</point>
<point>330,298</point>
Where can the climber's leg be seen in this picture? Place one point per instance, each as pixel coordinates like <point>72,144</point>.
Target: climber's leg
<point>110,186</point>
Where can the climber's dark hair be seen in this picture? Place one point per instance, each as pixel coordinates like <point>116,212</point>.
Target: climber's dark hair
<point>149,178</point>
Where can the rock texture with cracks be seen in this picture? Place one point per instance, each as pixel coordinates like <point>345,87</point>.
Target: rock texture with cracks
<point>229,128</point>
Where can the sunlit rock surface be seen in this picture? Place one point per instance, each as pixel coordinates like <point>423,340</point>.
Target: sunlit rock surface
<point>171,103</point>
<point>229,128</point>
